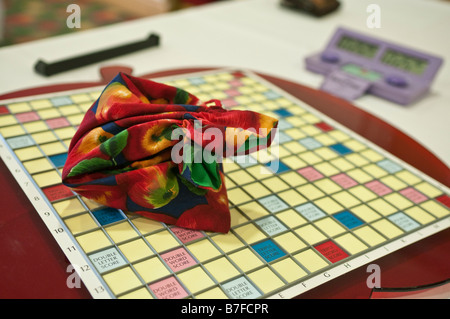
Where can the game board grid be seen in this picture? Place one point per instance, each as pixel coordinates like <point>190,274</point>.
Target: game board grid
<point>304,127</point>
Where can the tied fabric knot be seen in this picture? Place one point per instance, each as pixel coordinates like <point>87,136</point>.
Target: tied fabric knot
<point>156,150</point>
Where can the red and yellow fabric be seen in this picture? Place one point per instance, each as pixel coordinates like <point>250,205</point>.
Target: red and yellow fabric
<point>156,150</point>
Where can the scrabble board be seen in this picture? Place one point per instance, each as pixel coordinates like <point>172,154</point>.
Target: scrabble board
<point>320,202</point>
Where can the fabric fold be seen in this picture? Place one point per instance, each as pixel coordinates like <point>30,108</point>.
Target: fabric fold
<point>156,150</point>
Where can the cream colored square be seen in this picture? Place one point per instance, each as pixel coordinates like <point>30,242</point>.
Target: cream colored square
<point>249,233</point>
<point>80,223</point>
<point>43,137</point>
<point>342,164</point>
<point>346,199</point>
<point>355,145</point>
<point>387,228</point>
<point>227,242</point>
<point>237,218</point>
<point>294,147</point>
<point>215,293</point>
<point>295,133</point>
<point>41,104</point>
<point>93,241</point>
<point>292,197</point>
<point>162,241</point>
<point>7,120</point>
<point>28,153</point>
<point>260,172</point>
<point>47,178</point>
<point>338,135</point>
<point>245,259</point>
<point>393,182</point>
<point>382,207</point>
<point>365,213</point>
<point>310,234</point>
<point>398,201</point>
<point>357,159</point>
<point>19,107</point>
<point>69,207</point>
<point>310,158</point>
<point>37,165</point>
<point>65,132</point>
<point>257,190</point>
<point>142,293</point>
<point>122,280</point>
<point>229,183</point>
<point>420,215</point>
<point>435,209</point>
<point>136,250</point>
<point>310,191</point>
<point>14,130</point>
<point>372,155</point>
<point>275,184</point>
<point>221,269</point>
<point>266,280</point>
<point>48,113</point>
<point>203,250</point>
<point>238,196</point>
<point>151,269</point>
<point>369,236</point>
<point>294,179</point>
<point>37,126</point>
<point>241,177</point>
<point>327,186</point>
<point>69,110</point>
<point>311,130</point>
<point>428,189</point>
<point>326,153</point>
<point>326,140</point>
<point>326,169</point>
<point>53,148</point>
<point>195,279</point>
<point>311,260</point>
<point>359,175</point>
<point>291,218</point>
<point>375,170</point>
<point>350,243</point>
<point>81,97</point>
<point>328,205</point>
<point>408,177</point>
<point>310,118</point>
<point>362,193</point>
<point>289,270</point>
<point>294,162</point>
<point>121,232</point>
<point>75,119</point>
<point>253,210</point>
<point>329,226</point>
<point>289,242</point>
<point>295,121</point>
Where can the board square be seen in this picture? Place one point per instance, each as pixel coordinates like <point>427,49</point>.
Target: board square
<point>344,180</point>
<point>331,251</point>
<point>413,195</point>
<point>340,149</point>
<point>241,288</point>
<point>107,259</point>
<point>348,219</point>
<point>270,225</point>
<point>186,235</point>
<point>168,288</point>
<point>310,211</point>
<point>178,259</point>
<point>107,215</point>
<point>444,199</point>
<point>58,160</point>
<point>57,192</point>
<point>310,173</point>
<point>378,188</point>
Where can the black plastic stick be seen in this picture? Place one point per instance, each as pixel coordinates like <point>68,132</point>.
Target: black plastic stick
<point>48,69</point>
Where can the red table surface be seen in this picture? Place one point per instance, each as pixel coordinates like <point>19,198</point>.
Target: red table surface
<point>33,266</point>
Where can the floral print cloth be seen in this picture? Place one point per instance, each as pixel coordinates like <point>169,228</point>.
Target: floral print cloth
<point>156,150</point>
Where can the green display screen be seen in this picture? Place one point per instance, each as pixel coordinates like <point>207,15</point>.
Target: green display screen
<point>356,46</point>
<point>404,62</point>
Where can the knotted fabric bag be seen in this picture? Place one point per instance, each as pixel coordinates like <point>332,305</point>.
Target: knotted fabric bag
<point>156,150</point>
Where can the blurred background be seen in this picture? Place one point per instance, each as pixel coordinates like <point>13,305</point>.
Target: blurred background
<point>28,20</point>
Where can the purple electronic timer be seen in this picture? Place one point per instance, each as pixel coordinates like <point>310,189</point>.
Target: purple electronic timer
<point>356,64</point>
